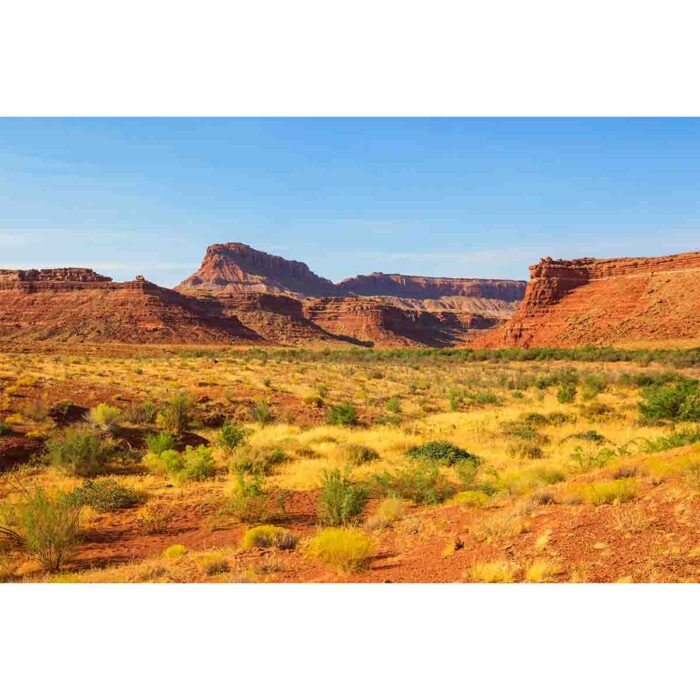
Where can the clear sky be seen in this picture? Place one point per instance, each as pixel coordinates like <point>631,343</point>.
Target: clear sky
<point>455,197</point>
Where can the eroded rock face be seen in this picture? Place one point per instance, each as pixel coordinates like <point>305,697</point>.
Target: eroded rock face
<point>79,305</point>
<point>592,301</point>
<point>236,267</point>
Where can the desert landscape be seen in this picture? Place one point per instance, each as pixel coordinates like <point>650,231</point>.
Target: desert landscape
<point>259,423</point>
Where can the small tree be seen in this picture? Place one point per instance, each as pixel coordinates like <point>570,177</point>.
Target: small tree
<point>175,415</point>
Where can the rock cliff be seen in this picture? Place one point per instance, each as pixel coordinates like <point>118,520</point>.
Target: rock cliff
<point>605,301</point>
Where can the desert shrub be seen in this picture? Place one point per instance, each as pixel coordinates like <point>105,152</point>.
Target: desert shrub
<point>249,502</point>
<point>589,436</point>
<point>157,443</point>
<point>542,570</point>
<point>421,483</point>
<point>484,398</point>
<point>197,464</point>
<point>167,462</point>
<point>441,452</point>
<point>505,523</point>
<point>80,451</point>
<point>348,549</point>
<point>679,401</point>
<point>105,417</point>
<point>602,492</point>
<point>104,495</point>
<point>691,475</point>
<point>213,564</point>
<point>340,501</point>
<point>566,393</point>
<point>175,551</point>
<point>394,404</point>
<point>342,414</point>
<point>262,413</point>
<point>542,419</point>
<point>471,499</point>
<point>46,526</point>
<point>256,460</point>
<point>388,511</point>
<point>267,536</point>
<point>521,430</point>
<point>493,572</point>
<point>593,384</point>
<point>526,450</point>
<point>597,411</point>
<point>175,414</point>
<point>678,438</point>
<point>230,436</point>
<point>313,400</point>
<point>154,519</point>
<point>356,455</point>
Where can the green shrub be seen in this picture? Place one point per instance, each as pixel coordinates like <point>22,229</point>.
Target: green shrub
<point>167,462</point>
<point>348,549</point>
<point>249,502</point>
<point>80,451</point>
<point>342,414</point>
<point>441,452</point>
<point>421,483</point>
<point>158,443</point>
<point>5,429</point>
<point>104,495</point>
<point>566,393</point>
<point>356,455</point>
<point>679,401</point>
<point>256,460</point>
<point>262,412</point>
<point>340,501</point>
<point>197,464</point>
<point>175,415</point>
<point>675,439</point>
<point>267,536</point>
<point>394,404</point>
<point>47,526</point>
<point>105,417</point>
<point>230,436</point>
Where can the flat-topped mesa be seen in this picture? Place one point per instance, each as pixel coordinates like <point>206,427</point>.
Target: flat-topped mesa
<point>603,301</point>
<point>420,287</point>
<point>59,274</point>
<point>236,267</point>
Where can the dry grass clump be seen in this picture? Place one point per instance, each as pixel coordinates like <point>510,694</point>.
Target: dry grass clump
<point>542,571</point>
<point>505,523</point>
<point>268,536</point>
<point>388,512</point>
<point>347,549</point>
<point>154,519</point>
<point>603,492</point>
<point>493,572</point>
<point>471,499</point>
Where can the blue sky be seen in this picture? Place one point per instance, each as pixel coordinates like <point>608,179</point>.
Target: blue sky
<point>457,197</point>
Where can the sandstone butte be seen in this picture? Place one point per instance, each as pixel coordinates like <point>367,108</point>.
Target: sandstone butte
<point>604,302</point>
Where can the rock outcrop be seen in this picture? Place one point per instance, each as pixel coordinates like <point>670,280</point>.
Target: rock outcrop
<point>591,301</point>
<point>74,304</point>
<point>236,267</point>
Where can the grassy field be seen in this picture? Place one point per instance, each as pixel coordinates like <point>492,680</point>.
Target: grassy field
<point>219,465</point>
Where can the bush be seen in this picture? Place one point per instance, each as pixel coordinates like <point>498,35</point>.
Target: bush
<point>675,439</point>
<point>256,460</point>
<point>197,464</point>
<point>167,462</point>
<point>388,511</point>
<point>249,503</point>
<point>566,393</point>
<point>394,404</point>
<point>158,443</point>
<point>526,450</point>
<point>175,551</point>
<point>104,495</point>
<point>48,527</point>
<point>340,501</point>
<point>262,412</point>
<point>105,417</point>
<point>5,429</point>
<point>356,455</point>
<point>342,414</point>
<point>598,494</point>
<point>677,402</point>
<point>80,451</point>
<point>471,499</point>
<point>267,536</point>
<point>175,415</point>
<point>589,436</point>
<point>422,483</point>
<point>154,519</point>
<point>230,436</point>
<point>441,452</point>
<point>348,549</point>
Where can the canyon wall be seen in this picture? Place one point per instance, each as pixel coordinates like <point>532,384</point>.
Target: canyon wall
<point>605,301</point>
